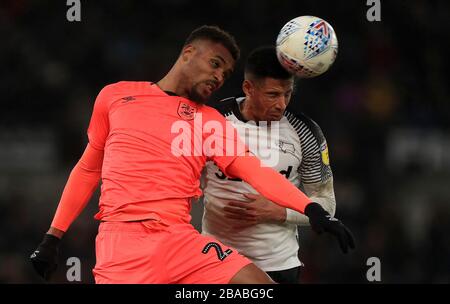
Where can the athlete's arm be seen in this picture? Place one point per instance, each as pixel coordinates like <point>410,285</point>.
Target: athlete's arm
<point>315,172</point>
<point>278,189</point>
<point>86,174</point>
<point>321,193</point>
<point>268,182</point>
<point>82,182</point>
<point>257,210</point>
<point>260,210</point>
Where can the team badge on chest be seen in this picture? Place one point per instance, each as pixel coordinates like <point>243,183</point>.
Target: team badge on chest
<point>186,111</point>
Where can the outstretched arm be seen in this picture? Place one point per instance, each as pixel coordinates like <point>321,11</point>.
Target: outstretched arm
<point>268,183</point>
<point>278,189</point>
<point>261,210</point>
<point>82,182</point>
<point>315,175</point>
<point>321,193</point>
<point>86,174</point>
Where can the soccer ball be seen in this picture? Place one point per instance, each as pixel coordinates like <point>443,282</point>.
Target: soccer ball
<point>307,46</point>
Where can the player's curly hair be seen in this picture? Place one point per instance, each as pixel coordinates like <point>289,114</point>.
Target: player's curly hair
<point>215,34</point>
<point>263,62</point>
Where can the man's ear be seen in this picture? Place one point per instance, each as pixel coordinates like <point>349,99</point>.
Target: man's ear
<point>187,52</point>
<point>248,87</point>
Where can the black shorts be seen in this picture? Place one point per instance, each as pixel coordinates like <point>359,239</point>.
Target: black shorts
<point>287,276</point>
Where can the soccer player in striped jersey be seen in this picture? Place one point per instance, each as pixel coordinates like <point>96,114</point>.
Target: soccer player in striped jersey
<point>234,212</point>
<point>149,179</point>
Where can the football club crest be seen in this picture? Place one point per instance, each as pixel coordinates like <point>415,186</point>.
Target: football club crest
<point>286,147</point>
<point>186,111</point>
<point>324,152</point>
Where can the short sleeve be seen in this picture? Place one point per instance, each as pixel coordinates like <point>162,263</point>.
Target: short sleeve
<point>315,166</point>
<point>98,129</point>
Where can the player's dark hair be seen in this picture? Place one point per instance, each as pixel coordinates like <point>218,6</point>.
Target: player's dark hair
<point>217,35</point>
<point>263,62</point>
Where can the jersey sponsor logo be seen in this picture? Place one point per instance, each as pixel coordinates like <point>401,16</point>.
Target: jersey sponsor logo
<point>221,255</point>
<point>186,111</point>
<point>324,153</point>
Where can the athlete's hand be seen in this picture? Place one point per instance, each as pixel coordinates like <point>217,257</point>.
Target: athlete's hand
<point>257,210</point>
<point>321,221</point>
<point>45,257</point>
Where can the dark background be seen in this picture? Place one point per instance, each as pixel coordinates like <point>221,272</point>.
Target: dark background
<point>383,107</point>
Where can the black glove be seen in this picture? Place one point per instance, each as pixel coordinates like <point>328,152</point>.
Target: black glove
<point>45,257</point>
<point>321,221</point>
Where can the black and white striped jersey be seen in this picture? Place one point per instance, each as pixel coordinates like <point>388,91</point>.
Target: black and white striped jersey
<point>298,150</point>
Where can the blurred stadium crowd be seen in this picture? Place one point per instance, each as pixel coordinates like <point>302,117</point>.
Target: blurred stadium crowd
<point>384,107</point>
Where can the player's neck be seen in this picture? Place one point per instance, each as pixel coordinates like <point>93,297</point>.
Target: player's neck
<point>172,83</point>
<point>246,110</point>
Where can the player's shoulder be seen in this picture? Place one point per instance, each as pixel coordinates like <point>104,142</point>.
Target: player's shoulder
<point>303,123</point>
<point>125,86</point>
<point>296,118</point>
<point>227,106</point>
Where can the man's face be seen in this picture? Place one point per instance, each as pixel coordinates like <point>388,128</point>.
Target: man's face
<point>268,97</point>
<point>208,65</point>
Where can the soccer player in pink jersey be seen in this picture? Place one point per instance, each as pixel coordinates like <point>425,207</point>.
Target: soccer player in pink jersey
<point>145,235</point>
